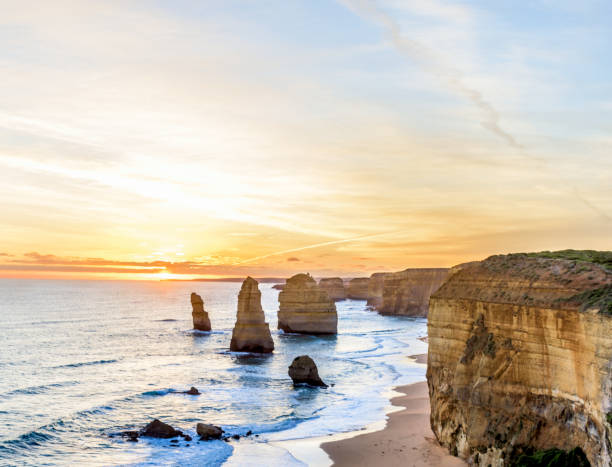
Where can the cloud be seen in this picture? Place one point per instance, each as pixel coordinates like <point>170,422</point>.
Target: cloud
<point>293,258</point>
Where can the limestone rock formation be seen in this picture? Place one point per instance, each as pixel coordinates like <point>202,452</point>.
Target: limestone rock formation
<point>251,332</point>
<point>375,289</point>
<point>407,292</point>
<point>305,308</point>
<point>200,317</point>
<point>334,286</point>
<point>358,288</point>
<point>303,370</point>
<point>520,358</point>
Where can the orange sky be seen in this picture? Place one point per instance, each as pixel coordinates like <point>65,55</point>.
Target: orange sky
<point>145,143</point>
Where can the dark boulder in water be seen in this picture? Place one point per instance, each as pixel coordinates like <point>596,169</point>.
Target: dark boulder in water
<point>192,392</point>
<point>207,432</point>
<point>131,436</point>
<point>158,429</point>
<point>303,370</point>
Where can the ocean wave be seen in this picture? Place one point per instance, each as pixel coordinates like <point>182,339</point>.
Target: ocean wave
<point>79,364</point>
<point>31,390</point>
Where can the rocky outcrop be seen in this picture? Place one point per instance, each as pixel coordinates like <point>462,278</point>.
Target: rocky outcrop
<point>375,289</point>
<point>207,432</point>
<point>159,429</point>
<point>251,332</point>
<point>334,286</point>
<point>303,370</point>
<point>357,288</point>
<point>520,359</point>
<point>305,308</point>
<point>407,292</point>
<point>200,317</point>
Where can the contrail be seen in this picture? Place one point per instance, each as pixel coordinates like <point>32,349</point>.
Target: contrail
<point>316,245</point>
<point>427,58</point>
<point>418,52</point>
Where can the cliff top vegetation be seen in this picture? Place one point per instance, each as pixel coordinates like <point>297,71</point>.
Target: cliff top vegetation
<point>603,258</point>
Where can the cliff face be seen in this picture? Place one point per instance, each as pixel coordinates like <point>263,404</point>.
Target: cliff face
<point>251,332</point>
<point>334,286</point>
<point>375,289</point>
<point>407,292</point>
<point>358,288</point>
<point>201,322</point>
<point>305,308</point>
<point>520,358</point>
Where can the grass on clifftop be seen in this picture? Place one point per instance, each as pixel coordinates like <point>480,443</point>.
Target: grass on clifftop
<point>603,258</point>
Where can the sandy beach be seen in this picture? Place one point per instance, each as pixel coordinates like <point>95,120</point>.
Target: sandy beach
<point>407,439</point>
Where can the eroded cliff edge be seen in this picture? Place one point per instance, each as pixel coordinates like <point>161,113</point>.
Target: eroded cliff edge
<point>520,358</point>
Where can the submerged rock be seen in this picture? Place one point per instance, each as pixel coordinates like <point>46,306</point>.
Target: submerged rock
<point>201,322</point>
<point>251,332</point>
<point>334,286</point>
<point>303,370</point>
<point>192,392</point>
<point>305,308</point>
<point>206,432</point>
<point>158,429</point>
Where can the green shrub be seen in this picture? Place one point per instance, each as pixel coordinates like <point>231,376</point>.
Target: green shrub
<point>552,458</point>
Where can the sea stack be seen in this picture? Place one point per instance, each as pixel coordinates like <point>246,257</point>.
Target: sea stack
<point>305,308</point>
<point>251,332</point>
<point>200,317</point>
<point>520,358</point>
<point>358,288</point>
<point>334,286</point>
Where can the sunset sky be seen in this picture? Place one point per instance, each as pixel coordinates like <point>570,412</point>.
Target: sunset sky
<point>153,139</point>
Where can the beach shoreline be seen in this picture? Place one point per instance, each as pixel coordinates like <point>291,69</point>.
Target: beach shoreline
<point>404,439</point>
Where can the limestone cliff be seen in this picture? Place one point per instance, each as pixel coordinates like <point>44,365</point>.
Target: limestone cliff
<point>375,289</point>
<point>305,308</point>
<point>407,292</point>
<point>520,358</point>
<point>251,332</point>
<point>334,286</point>
<point>358,288</point>
<point>201,322</point>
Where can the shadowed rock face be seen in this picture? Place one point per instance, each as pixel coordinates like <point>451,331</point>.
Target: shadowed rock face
<point>520,359</point>
<point>251,332</point>
<point>305,308</point>
<point>303,370</point>
<point>375,289</point>
<point>358,288</point>
<point>407,292</point>
<point>334,286</point>
<point>200,317</point>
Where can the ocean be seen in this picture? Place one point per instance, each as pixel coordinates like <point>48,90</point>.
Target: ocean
<point>82,361</point>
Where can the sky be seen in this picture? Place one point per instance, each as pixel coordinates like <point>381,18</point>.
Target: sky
<point>185,139</point>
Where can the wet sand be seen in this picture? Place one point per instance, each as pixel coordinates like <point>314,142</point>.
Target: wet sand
<point>407,439</point>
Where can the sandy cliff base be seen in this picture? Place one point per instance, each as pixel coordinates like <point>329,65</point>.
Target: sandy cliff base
<point>407,440</point>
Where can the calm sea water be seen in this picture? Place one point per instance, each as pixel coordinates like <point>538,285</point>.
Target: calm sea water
<point>81,361</point>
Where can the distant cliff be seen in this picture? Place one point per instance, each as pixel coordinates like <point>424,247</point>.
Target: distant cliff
<point>520,357</point>
<point>407,292</point>
<point>375,289</point>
